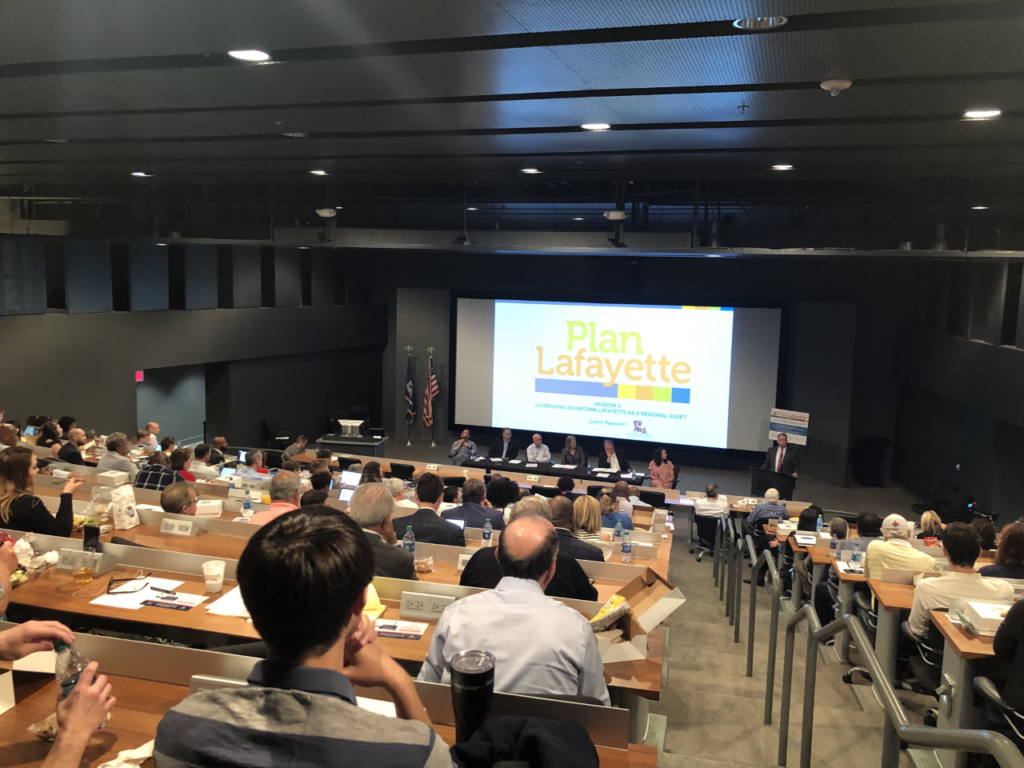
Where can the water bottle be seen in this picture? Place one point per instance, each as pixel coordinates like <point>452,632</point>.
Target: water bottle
<point>488,530</point>
<point>821,523</point>
<point>856,552</point>
<point>833,547</point>
<point>247,505</point>
<point>409,541</point>
<point>627,549</point>
<point>70,664</point>
<point>618,531</point>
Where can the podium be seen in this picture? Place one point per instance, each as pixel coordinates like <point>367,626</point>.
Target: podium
<point>763,479</point>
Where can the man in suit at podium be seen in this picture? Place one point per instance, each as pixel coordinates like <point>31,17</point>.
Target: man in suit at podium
<point>783,458</point>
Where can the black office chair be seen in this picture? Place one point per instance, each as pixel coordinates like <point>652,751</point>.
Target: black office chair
<point>869,618</point>
<point>594,490</point>
<point>706,529</point>
<point>402,471</point>
<point>926,666</point>
<point>653,498</point>
<point>274,459</point>
<point>999,707</point>
<point>458,482</point>
<point>549,491</point>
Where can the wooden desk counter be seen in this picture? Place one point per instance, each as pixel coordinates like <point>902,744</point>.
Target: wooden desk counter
<point>893,597</point>
<point>141,704</point>
<point>847,578</point>
<point>214,545</point>
<point>966,645</point>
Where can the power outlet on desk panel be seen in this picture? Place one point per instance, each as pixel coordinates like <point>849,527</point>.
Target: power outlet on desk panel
<point>417,606</point>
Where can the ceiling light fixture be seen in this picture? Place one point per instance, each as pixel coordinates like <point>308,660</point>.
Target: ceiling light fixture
<point>982,114</point>
<point>294,135</point>
<point>472,209</point>
<point>319,172</point>
<point>530,170</point>
<point>782,167</point>
<point>162,245</point>
<point>595,126</point>
<point>141,174</point>
<point>56,141</point>
<point>979,208</point>
<point>338,207</point>
<point>835,87</point>
<point>249,54</point>
<point>578,218</point>
<point>760,23</point>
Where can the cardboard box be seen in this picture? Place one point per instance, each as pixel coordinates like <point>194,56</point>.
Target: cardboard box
<point>651,600</point>
<point>209,507</point>
<point>112,477</point>
<point>985,617</point>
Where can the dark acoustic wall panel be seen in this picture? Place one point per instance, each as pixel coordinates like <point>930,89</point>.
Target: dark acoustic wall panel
<point>287,278</point>
<point>22,276</point>
<point>149,284</point>
<point>200,277</point>
<point>56,282</point>
<point>322,277</point>
<point>87,272</point>
<point>246,279</point>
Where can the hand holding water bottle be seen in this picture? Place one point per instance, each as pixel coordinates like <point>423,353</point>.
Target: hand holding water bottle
<point>87,707</point>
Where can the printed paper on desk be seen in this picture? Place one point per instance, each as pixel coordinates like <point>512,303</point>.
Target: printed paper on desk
<point>515,461</point>
<point>230,605</point>
<point>602,474</point>
<point>121,597</point>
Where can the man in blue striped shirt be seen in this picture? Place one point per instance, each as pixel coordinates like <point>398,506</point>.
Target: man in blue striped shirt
<point>303,578</point>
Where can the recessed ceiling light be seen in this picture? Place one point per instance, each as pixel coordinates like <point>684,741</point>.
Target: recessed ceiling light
<point>979,208</point>
<point>319,172</point>
<point>782,167</point>
<point>303,247</point>
<point>982,114</point>
<point>578,218</point>
<point>595,126</point>
<point>162,245</point>
<point>530,170</point>
<point>338,207</point>
<point>56,141</point>
<point>250,54</point>
<point>294,135</point>
<point>760,23</point>
<point>472,209</point>
<point>141,174</point>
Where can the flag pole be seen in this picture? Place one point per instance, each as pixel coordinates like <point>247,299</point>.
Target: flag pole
<point>433,421</point>
<point>408,423</point>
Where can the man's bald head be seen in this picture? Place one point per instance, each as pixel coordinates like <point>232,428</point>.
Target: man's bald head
<point>561,512</point>
<point>527,549</point>
<point>622,489</point>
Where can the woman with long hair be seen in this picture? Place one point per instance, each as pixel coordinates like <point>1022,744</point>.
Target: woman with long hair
<point>19,509</point>
<point>1010,554</point>
<point>371,473</point>
<point>663,474</point>
<point>573,454</point>
<point>49,436</point>
<point>931,525</point>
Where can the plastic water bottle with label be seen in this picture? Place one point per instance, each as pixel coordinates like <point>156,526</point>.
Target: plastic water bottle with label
<point>833,547</point>
<point>618,531</point>
<point>68,668</point>
<point>488,531</point>
<point>409,541</point>
<point>627,549</point>
<point>247,505</point>
<point>858,556</point>
<point>821,523</point>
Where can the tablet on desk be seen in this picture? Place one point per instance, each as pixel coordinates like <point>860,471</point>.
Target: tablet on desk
<point>350,478</point>
<point>346,494</point>
<point>225,471</point>
<point>461,524</point>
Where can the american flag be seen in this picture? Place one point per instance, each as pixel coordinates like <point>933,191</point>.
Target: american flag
<point>429,393</point>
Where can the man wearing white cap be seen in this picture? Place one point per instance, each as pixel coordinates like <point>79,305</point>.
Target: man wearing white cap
<point>895,550</point>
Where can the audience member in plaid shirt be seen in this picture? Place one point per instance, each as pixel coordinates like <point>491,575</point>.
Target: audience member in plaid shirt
<point>157,474</point>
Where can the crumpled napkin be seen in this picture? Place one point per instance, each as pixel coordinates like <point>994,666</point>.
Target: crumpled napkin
<point>131,758</point>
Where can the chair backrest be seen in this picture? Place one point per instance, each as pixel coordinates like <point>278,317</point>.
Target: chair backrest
<point>653,498</point>
<point>402,471</point>
<point>931,649</point>
<point>593,490</point>
<point>549,491</point>
<point>458,482</point>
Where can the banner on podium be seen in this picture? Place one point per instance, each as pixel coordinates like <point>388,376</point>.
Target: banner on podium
<point>791,423</point>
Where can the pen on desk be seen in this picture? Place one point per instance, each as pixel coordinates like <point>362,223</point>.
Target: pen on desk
<point>164,591</point>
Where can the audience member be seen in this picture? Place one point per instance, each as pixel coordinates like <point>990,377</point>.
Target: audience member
<point>961,544</point>
<point>769,509</point>
<point>285,490</point>
<point>217,448</point>
<point>324,453</point>
<point>502,494</point>
<point>504,447</point>
<point>613,460</point>
<point>426,525</point>
<point>541,647</point>
<point>313,498</point>
<point>168,445</point>
<point>153,429</point>
<point>157,473</point>
<point>569,545</point>
<point>19,509</point>
<point>1009,562</point>
<point>986,532</point>
<point>565,486</point>
<point>66,424</point>
<point>253,468</point>
<point>49,436</point>
<point>181,462</point>
<point>299,446</point>
<point>463,449</point>
<point>931,525</point>
<point>838,528</point>
<point>1008,646</point>
<point>397,489</point>
<point>622,494</point>
<point>474,509</point>
<point>807,522</point>
<point>610,514</point>
<point>83,711</point>
<point>179,498</point>
<point>321,480</point>
<point>372,507</point>
<point>70,452</point>
<point>116,457</point>
<point>586,517</point>
<point>371,473</point>
<point>201,464</point>
<point>304,580</point>
<point>826,593</point>
<point>291,466</point>
<point>661,470</point>
<point>356,468</point>
<point>142,439</point>
<point>8,437</point>
<point>450,498</point>
<point>537,451</point>
<point>895,550</point>
<point>573,454</point>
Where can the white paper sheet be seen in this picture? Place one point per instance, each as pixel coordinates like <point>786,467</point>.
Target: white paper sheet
<point>132,601</point>
<point>386,708</point>
<point>230,605</point>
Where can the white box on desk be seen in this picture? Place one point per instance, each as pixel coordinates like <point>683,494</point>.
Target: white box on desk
<point>111,477</point>
<point>209,507</point>
<point>651,599</point>
<point>985,617</point>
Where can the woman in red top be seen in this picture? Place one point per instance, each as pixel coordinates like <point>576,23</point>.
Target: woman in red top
<point>663,474</point>
<point>181,462</point>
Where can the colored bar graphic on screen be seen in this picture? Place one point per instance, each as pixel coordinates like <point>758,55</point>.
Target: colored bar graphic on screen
<point>616,391</point>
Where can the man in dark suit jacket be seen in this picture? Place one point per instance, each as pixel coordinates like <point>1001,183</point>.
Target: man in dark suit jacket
<point>605,459</point>
<point>790,461</point>
<point>569,545</point>
<point>472,509</point>
<point>371,506</point>
<point>427,526</point>
<point>504,447</point>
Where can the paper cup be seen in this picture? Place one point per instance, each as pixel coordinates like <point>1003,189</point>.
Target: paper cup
<point>213,572</point>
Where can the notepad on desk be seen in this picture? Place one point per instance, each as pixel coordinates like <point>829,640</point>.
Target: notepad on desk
<point>230,605</point>
<point>404,630</point>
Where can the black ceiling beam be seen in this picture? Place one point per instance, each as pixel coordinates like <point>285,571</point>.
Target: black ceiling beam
<point>809,85</point>
<point>964,12</point>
